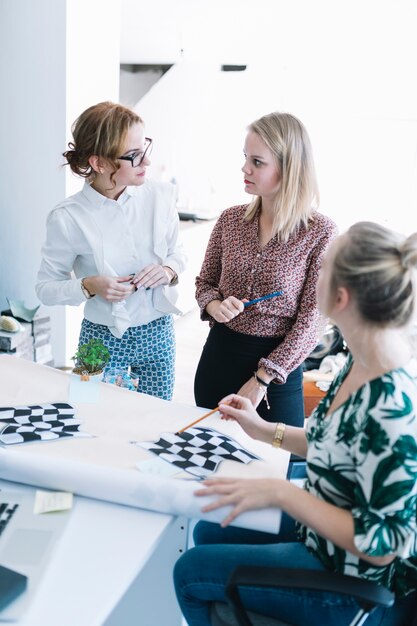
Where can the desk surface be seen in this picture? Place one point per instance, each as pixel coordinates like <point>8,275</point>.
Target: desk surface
<point>101,552</point>
<point>106,546</point>
<point>104,466</point>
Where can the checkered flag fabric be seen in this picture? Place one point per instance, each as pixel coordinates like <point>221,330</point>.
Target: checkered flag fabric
<point>198,451</point>
<point>35,413</point>
<point>43,422</point>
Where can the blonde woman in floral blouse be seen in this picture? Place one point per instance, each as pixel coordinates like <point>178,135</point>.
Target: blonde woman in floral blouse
<point>357,513</point>
<point>274,244</point>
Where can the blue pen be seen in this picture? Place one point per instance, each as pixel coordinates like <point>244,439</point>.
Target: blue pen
<point>270,295</point>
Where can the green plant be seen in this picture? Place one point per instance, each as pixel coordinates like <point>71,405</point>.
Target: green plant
<point>91,357</point>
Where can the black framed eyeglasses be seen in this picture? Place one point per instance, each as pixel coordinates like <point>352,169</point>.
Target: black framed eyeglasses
<point>136,158</point>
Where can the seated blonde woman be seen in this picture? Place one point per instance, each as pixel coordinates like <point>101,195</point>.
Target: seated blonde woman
<point>357,513</point>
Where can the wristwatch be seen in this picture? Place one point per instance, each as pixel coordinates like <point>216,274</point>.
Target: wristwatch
<point>85,291</point>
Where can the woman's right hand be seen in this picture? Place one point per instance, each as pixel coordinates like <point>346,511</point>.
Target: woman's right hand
<point>242,411</point>
<point>110,288</point>
<point>225,310</point>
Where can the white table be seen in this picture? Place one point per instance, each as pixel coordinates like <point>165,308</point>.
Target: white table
<point>113,566</point>
<point>110,568</point>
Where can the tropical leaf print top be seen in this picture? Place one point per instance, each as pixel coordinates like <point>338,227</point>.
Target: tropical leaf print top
<point>363,458</point>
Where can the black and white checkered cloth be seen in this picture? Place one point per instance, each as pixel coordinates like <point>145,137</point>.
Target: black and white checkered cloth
<point>198,451</point>
<point>7,510</point>
<point>43,422</point>
<point>36,412</point>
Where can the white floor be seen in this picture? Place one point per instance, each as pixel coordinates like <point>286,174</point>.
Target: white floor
<point>191,334</point>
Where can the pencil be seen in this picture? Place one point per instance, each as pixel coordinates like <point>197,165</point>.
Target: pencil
<point>269,295</point>
<point>199,420</point>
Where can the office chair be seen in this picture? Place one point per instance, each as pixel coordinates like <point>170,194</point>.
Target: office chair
<point>368,595</point>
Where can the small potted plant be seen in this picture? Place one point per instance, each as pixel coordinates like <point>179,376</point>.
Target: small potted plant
<point>90,359</point>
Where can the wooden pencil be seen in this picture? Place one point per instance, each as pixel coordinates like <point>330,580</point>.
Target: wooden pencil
<point>199,420</point>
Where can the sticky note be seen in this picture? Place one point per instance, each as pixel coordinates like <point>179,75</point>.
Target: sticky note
<point>48,501</point>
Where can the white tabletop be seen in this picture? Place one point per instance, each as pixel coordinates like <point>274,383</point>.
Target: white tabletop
<point>109,549</point>
<point>107,465</point>
<point>102,550</point>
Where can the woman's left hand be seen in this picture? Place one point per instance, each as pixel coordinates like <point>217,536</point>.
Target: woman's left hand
<point>151,276</point>
<point>243,494</point>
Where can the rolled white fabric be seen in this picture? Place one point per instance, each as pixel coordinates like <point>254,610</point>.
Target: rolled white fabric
<point>129,487</point>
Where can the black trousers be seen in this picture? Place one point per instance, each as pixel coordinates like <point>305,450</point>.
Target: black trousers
<point>229,359</point>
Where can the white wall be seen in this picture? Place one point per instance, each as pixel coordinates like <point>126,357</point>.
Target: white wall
<point>92,76</point>
<point>345,68</point>
<point>32,130</point>
<point>57,57</point>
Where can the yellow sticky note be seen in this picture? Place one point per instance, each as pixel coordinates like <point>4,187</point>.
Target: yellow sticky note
<point>47,501</point>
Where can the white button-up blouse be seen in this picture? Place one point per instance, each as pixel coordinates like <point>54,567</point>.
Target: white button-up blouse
<point>89,234</point>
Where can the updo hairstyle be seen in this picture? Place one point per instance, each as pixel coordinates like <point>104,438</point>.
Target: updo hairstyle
<point>378,266</point>
<point>100,130</point>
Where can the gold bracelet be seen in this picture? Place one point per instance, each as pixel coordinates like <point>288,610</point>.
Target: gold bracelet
<point>279,435</point>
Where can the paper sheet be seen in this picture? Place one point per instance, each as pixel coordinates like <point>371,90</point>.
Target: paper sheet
<point>156,466</point>
<point>83,391</point>
<point>129,487</point>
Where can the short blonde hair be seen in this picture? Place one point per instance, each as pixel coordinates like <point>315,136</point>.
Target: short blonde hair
<point>379,267</point>
<point>298,192</point>
<point>100,130</point>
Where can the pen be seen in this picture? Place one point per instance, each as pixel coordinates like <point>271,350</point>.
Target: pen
<point>270,295</point>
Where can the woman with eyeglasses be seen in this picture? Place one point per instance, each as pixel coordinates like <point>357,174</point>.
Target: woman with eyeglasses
<point>114,246</point>
<point>271,246</point>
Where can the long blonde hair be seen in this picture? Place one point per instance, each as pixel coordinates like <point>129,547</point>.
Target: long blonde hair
<point>298,192</point>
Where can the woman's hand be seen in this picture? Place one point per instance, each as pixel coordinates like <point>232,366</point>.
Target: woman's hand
<point>152,276</point>
<point>243,494</point>
<point>253,391</point>
<point>110,288</point>
<point>225,310</point>
<point>240,409</point>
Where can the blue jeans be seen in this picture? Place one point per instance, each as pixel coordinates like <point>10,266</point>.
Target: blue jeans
<point>201,573</point>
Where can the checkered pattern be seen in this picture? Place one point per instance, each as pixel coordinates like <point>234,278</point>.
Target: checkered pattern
<point>198,451</point>
<point>148,350</point>
<point>42,422</point>
<point>36,412</point>
<point>7,510</point>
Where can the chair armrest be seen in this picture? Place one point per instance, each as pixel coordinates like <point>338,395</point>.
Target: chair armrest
<point>367,594</point>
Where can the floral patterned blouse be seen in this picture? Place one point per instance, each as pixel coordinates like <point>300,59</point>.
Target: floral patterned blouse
<point>363,458</point>
<point>235,265</point>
